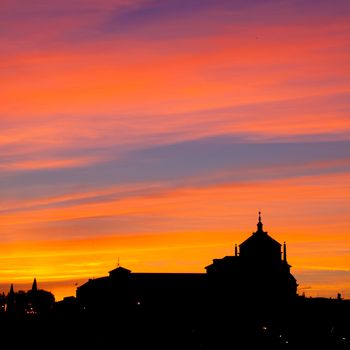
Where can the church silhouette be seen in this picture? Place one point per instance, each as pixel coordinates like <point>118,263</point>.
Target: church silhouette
<point>258,270</point>
<point>258,274</point>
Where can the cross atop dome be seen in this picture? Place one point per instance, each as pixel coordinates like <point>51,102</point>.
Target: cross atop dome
<point>260,224</point>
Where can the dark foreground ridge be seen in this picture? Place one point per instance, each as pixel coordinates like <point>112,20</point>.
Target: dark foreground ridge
<point>243,301</point>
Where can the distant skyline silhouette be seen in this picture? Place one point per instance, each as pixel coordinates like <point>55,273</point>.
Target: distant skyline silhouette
<point>246,299</point>
<point>259,265</point>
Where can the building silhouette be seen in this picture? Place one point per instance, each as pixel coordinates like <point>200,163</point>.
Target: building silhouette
<point>257,274</point>
<point>33,302</point>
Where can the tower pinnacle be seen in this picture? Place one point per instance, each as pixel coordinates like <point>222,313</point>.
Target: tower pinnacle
<point>260,224</point>
<point>34,286</point>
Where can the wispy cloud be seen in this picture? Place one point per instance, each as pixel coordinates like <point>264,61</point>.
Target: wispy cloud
<point>46,164</point>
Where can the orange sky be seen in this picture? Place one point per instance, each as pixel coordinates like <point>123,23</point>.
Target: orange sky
<point>154,131</point>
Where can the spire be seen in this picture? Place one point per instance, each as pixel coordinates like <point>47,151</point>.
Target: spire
<point>12,292</point>
<point>284,252</point>
<point>34,286</point>
<point>260,224</point>
<point>10,303</point>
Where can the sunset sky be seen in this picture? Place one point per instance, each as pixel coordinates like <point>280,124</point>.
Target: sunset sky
<point>155,130</point>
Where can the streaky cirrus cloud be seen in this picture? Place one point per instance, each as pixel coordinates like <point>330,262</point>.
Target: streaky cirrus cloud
<point>229,65</point>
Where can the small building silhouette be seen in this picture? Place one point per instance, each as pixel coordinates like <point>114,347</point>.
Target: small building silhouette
<point>33,302</point>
